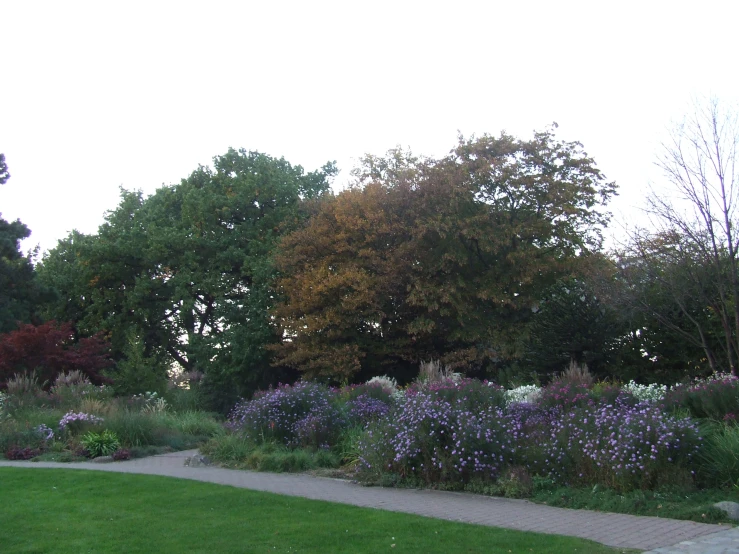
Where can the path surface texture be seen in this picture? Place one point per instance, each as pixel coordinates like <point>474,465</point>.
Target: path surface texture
<point>657,535</point>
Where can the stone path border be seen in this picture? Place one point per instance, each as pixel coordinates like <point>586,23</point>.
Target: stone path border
<point>660,535</point>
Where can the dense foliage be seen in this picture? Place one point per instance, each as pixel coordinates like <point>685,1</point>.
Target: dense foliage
<point>489,260</point>
<point>50,349</point>
<point>185,276</point>
<point>77,419</point>
<point>466,433</point>
<point>437,258</point>
<point>20,292</point>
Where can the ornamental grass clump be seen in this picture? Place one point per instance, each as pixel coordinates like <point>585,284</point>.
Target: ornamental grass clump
<point>385,382</point>
<point>719,457</point>
<point>303,414</point>
<point>69,388</point>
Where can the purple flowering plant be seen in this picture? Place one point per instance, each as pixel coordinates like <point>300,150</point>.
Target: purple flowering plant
<point>304,414</point>
<point>46,432</point>
<point>620,445</point>
<point>75,421</point>
<point>431,439</point>
<point>364,409</point>
<point>374,390</point>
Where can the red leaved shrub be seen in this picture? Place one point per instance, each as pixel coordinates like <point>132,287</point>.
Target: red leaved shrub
<point>50,349</point>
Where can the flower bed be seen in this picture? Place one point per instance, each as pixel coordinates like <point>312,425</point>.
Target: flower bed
<point>462,431</point>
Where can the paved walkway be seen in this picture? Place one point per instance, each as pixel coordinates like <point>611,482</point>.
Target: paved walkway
<point>659,535</point>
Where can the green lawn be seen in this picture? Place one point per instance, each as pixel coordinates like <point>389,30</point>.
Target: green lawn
<point>675,503</point>
<point>59,511</point>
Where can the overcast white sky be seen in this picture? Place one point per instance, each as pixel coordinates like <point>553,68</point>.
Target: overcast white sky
<point>97,95</point>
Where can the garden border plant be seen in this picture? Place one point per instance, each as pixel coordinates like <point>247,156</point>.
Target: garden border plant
<point>465,434</point>
<point>74,419</point>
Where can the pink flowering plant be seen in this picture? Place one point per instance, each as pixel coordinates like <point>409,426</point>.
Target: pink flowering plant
<point>709,399</point>
<point>473,393</point>
<point>565,395</point>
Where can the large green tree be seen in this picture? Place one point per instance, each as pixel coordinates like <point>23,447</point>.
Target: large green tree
<point>437,258</point>
<point>20,294</point>
<point>185,275</point>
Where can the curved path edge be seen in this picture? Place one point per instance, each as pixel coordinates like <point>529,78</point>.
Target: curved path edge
<point>619,530</point>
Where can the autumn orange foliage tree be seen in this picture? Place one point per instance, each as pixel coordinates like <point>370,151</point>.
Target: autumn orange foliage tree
<point>442,258</point>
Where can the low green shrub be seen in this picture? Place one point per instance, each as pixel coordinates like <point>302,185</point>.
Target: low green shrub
<point>195,423</point>
<point>65,456</point>
<point>174,439</point>
<point>610,393</point>
<point>15,435</point>
<point>132,428</point>
<point>719,457</point>
<point>100,444</point>
<point>185,400</point>
<point>230,447</point>
<point>671,501</point>
<point>237,451</point>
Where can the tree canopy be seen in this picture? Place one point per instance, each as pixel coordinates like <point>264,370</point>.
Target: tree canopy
<point>438,258</point>
<point>20,293</point>
<point>184,275</point>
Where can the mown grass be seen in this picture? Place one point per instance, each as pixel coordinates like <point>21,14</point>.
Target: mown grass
<point>675,503</point>
<point>72,511</point>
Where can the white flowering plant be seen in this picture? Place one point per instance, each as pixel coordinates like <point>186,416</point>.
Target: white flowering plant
<point>525,393</point>
<point>646,393</point>
<point>388,383</point>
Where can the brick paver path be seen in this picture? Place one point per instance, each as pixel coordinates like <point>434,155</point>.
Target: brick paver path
<point>619,530</point>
